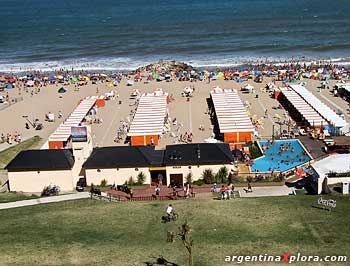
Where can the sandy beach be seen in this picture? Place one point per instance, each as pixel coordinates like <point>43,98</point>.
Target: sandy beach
<point>189,114</point>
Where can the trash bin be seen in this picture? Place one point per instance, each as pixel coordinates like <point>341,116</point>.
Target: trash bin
<point>345,187</point>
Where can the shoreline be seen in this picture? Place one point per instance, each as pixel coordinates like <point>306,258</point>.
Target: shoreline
<point>109,66</point>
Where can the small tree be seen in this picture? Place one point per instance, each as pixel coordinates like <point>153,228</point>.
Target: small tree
<point>189,178</point>
<point>141,177</point>
<point>221,175</point>
<point>131,181</point>
<point>208,176</point>
<point>103,183</point>
<point>185,236</point>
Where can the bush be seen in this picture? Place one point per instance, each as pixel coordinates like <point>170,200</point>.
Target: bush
<point>103,183</point>
<point>199,182</point>
<point>208,176</point>
<point>221,175</point>
<point>189,178</point>
<point>141,177</point>
<point>131,181</point>
<point>254,150</point>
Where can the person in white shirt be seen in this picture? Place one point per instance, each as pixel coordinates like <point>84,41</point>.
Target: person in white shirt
<point>169,210</point>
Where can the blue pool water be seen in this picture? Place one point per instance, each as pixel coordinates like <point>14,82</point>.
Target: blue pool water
<point>277,160</point>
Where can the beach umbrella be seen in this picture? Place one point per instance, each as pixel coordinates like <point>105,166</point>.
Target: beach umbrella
<point>130,82</point>
<point>61,90</point>
<point>12,80</point>
<point>258,73</point>
<point>155,75</point>
<point>303,83</point>
<point>74,79</point>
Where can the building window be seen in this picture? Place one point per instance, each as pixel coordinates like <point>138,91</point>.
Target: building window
<point>98,170</point>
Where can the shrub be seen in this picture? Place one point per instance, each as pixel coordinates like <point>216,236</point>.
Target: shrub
<point>208,176</point>
<point>103,183</point>
<point>131,181</point>
<point>254,150</point>
<point>141,177</point>
<point>189,178</point>
<point>199,182</point>
<point>221,175</point>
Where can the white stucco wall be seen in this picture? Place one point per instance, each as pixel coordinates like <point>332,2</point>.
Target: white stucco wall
<point>114,176</point>
<point>331,181</point>
<point>196,171</point>
<point>34,181</point>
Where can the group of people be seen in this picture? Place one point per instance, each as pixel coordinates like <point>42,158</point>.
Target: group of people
<point>226,191</point>
<point>9,138</point>
<point>186,138</point>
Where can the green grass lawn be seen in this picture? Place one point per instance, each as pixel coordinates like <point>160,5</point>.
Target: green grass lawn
<point>7,155</point>
<point>11,196</point>
<point>91,232</point>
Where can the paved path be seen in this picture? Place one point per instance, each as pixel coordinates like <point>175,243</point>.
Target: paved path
<point>23,203</point>
<point>265,191</point>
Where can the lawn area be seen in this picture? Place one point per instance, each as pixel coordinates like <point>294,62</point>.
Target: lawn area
<point>91,232</point>
<point>11,196</point>
<point>7,155</point>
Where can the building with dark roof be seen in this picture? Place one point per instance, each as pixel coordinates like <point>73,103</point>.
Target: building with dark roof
<point>41,160</point>
<point>192,159</point>
<point>197,154</point>
<point>124,157</point>
<point>32,170</point>
<point>118,165</point>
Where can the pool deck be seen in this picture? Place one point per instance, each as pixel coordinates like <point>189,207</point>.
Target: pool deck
<point>314,147</point>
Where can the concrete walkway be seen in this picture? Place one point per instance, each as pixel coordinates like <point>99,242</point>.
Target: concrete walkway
<point>32,202</point>
<point>265,191</point>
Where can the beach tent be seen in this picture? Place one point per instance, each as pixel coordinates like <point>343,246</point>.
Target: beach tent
<point>61,90</point>
<point>10,86</point>
<point>138,76</point>
<point>74,79</point>
<point>30,83</point>
<point>51,77</point>
<point>220,75</point>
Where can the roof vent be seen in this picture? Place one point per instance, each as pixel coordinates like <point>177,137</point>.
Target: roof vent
<point>198,151</point>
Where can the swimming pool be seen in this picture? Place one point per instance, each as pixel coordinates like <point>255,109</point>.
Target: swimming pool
<point>280,155</point>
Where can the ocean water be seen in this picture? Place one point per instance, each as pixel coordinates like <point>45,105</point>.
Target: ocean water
<point>124,34</point>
